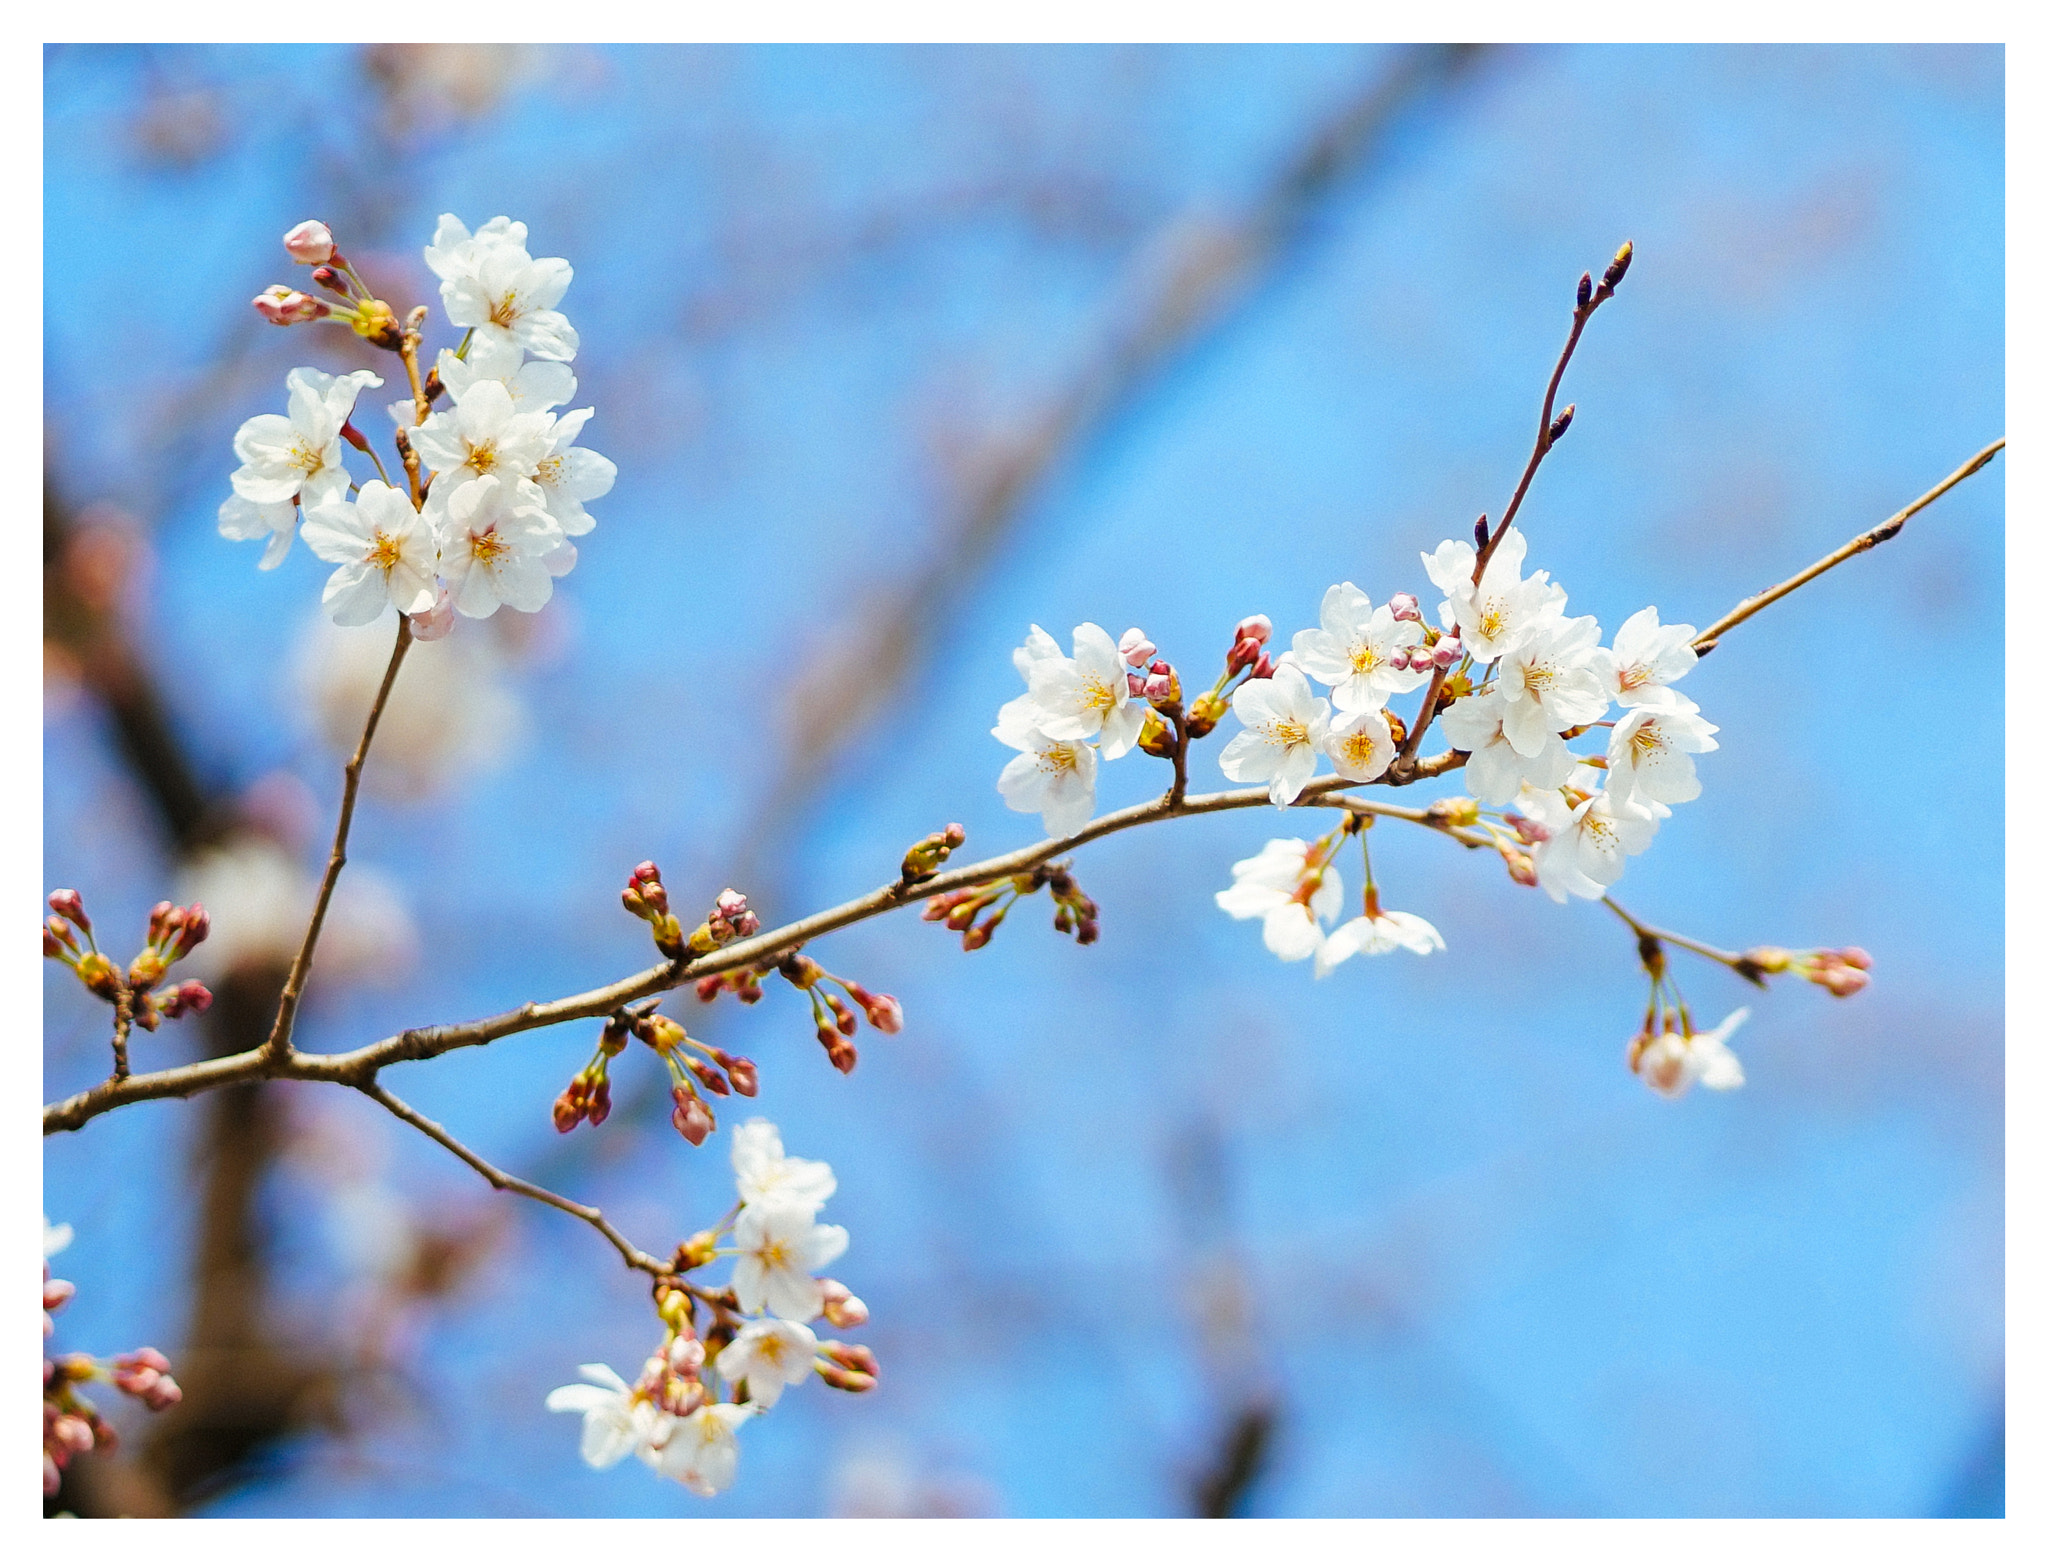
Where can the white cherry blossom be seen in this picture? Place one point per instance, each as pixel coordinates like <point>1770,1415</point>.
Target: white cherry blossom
<point>1361,744</point>
<point>1088,694</point>
<point>1284,727</point>
<point>616,1421</point>
<point>297,454</point>
<point>1293,899</point>
<point>386,551</point>
<point>494,542</point>
<point>1549,683</point>
<point>1496,615</point>
<point>494,287</point>
<point>1671,1063</point>
<point>702,1453</point>
<point>1496,771</point>
<point>768,1356</point>
<point>568,476</point>
<point>1354,650</point>
<point>781,1247</point>
<point>243,521</point>
<point>1376,934</point>
<point>1589,838</point>
<point>762,1171</point>
<point>538,385</point>
<point>1650,752</point>
<point>1646,659</point>
<point>1051,776</point>
<point>481,435</point>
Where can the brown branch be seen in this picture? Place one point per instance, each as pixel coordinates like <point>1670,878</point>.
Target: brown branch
<point>1643,929</point>
<point>280,1042</point>
<point>124,1021</point>
<point>359,1068</point>
<point>504,1181</point>
<point>1710,636</point>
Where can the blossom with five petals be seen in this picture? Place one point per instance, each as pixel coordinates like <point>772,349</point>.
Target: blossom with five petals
<point>768,1356</point>
<point>1591,833</point>
<point>1361,744</point>
<point>1646,659</point>
<point>1496,771</point>
<point>481,435</point>
<point>490,284</point>
<point>567,475</point>
<point>762,1171</point>
<point>702,1453</point>
<point>781,1247</point>
<point>297,454</point>
<point>1053,777</point>
<point>1293,896</point>
<point>616,1420</point>
<point>1494,616</point>
<point>1354,650</point>
<point>494,543</point>
<point>1087,694</point>
<point>1650,752</point>
<point>386,551</point>
<point>1284,727</point>
<point>1549,683</point>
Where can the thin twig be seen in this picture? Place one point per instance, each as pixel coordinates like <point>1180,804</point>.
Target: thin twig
<point>504,1181</point>
<point>280,1042</point>
<point>1643,929</point>
<point>124,1021</point>
<point>1710,636</point>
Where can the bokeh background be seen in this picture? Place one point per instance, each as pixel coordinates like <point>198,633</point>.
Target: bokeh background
<point>900,350</point>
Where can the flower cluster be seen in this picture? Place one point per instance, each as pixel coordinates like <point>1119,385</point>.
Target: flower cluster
<point>71,1425</point>
<point>1293,887</point>
<point>496,483</point>
<point>757,1343</point>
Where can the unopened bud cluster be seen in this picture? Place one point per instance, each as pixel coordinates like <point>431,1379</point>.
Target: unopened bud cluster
<point>832,1012</point>
<point>977,911</point>
<point>694,1066</point>
<point>71,1423</point>
<point>1844,972</point>
<point>174,932</point>
<point>929,854</point>
<point>349,301</point>
<point>730,917</point>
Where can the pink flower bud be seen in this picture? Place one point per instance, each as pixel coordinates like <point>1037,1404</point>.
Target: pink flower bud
<point>691,1117</point>
<point>1264,668</point>
<point>70,904</point>
<point>1258,629</point>
<point>843,1309</point>
<point>193,930</point>
<point>1135,681</point>
<point>310,244</point>
<point>1405,607</point>
<point>72,1434</point>
<point>1137,650</point>
<point>885,1014</point>
<point>1158,687</point>
<point>437,620</point>
<point>1399,660</point>
<point>56,1292</point>
<point>1447,652</point>
<point>281,305</point>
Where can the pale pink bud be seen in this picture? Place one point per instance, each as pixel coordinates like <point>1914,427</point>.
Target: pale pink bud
<point>843,1309</point>
<point>1135,681</point>
<point>1258,629</point>
<point>1405,606</point>
<point>72,1434</point>
<point>437,620</point>
<point>281,305</point>
<point>1264,669</point>
<point>310,244</point>
<point>1448,650</point>
<point>1158,686</point>
<point>1399,660</point>
<point>1137,650</point>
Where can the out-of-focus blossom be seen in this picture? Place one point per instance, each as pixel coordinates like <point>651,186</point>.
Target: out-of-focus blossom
<point>781,1247</point>
<point>768,1356</point>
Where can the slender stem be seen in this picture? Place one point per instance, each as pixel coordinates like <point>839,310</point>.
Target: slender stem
<point>124,1021</point>
<point>1710,636</point>
<point>504,1181</point>
<point>409,350</point>
<point>1406,760</point>
<point>1644,930</point>
<point>280,1042</point>
<point>1179,791</point>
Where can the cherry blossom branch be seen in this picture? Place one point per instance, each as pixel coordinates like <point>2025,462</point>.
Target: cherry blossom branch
<point>280,1042</point>
<point>1710,636</point>
<point>504,1181</point>
<point>124,1021</point>
<point>359,1067</point>
<point>1549,429</point>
